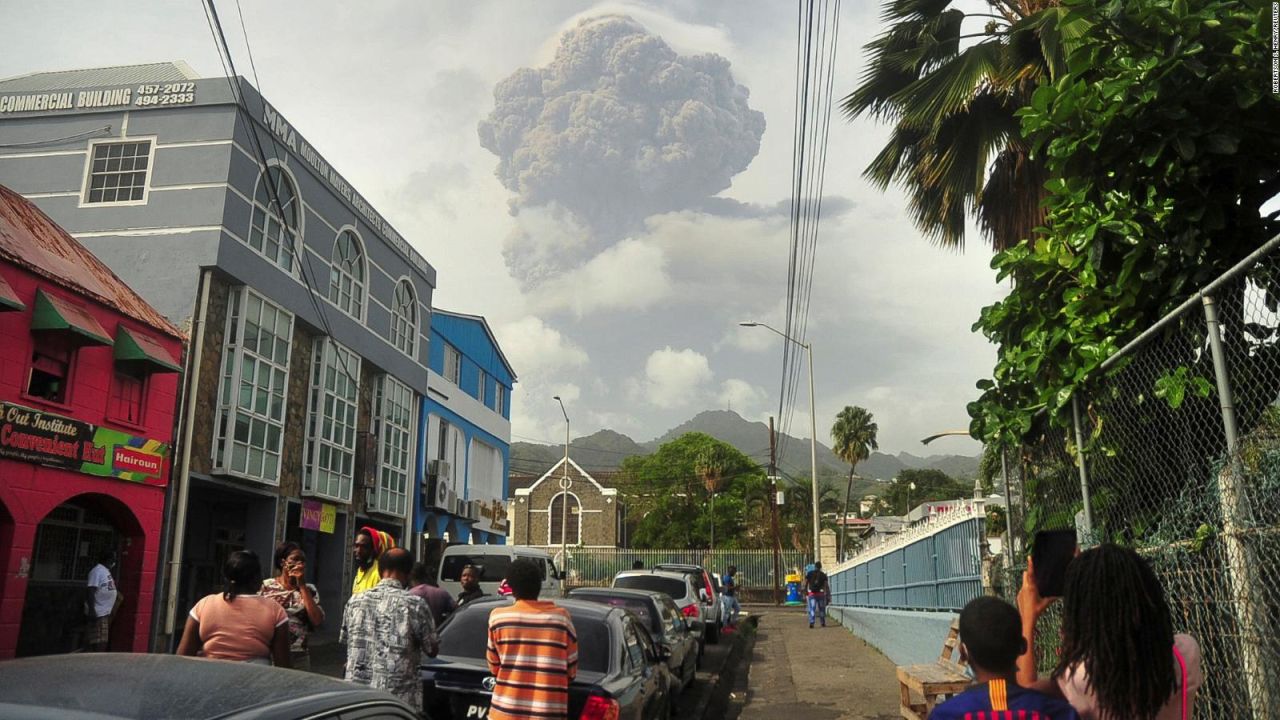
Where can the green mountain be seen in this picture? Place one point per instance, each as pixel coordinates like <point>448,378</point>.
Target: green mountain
<point>606,449</point>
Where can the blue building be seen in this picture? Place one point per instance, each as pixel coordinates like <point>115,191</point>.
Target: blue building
<point>465,431</point>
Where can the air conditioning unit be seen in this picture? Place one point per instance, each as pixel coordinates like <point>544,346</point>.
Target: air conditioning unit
<point>436,493</point>
<point>438,468</point>
<point>473,509</point>
<point>461,508</point>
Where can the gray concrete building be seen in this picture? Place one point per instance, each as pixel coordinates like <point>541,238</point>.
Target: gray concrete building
<point>308,313</point>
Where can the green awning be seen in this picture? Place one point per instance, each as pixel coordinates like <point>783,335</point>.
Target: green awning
<point>54,314</point>
<point>8,298</point>
<point>135,347</point>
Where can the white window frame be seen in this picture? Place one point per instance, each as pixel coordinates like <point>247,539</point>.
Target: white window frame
<point>499,396</point>
<point>358,303</point>
<point>452,365</point>
<point>88,171</point>
<point>294,232</point>
<point>481,379</point>
<point>404,331</point>
<point>233,390</point>
<point>396,433</point>
<point>335,383</point>
<point>551,511</point>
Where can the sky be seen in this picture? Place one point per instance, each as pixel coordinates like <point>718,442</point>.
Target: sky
<point>608,184</point>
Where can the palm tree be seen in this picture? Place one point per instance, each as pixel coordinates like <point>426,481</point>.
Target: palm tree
<point>956,146</point>
<point>797,516</point>
<point>853,438</point>
<point>710,466</point>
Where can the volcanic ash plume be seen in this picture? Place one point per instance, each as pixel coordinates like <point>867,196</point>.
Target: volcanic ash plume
<point>618,127</point>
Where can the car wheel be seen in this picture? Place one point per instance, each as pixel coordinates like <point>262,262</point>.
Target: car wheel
<point>713,633</point>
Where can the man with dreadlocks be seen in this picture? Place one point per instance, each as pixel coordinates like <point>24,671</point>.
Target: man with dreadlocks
<point>1120,659</point>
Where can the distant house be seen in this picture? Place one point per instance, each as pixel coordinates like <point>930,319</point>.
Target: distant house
<point>594,516</point>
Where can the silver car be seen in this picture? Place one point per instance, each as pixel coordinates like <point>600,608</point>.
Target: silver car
<point>682,589</point>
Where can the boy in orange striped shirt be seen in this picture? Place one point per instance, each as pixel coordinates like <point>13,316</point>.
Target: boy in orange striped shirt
<point>991,641</point>
<point>532,651</point>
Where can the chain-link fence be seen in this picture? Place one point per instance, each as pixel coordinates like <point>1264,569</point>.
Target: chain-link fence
<point>1174,450</point>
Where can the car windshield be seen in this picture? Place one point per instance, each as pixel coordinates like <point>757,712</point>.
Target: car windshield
<point>642,608</point>
<point>467,633</point>
<point>493,568</point>
<point>671,586</point>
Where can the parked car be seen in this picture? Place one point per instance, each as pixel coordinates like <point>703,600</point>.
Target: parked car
<point>621,672</point>
<point>710,597</point>
<point>682,589</point>
<point>493,561</point>
<point>659,615</point>
<point>126,686</point>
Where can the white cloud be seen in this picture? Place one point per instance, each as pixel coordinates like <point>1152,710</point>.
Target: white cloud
<point>672,378</point>
<point>628,276</point>
<point>745,399</point>
<point>537,349</point>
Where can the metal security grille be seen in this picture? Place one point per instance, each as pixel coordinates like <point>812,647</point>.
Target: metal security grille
<point>1174,450</point>
<point>68,542</point>
<point>118,172</point>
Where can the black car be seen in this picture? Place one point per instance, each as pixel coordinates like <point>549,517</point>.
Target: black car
<point>123,686</point>
<point>664,621</point>
<point>621,672</point>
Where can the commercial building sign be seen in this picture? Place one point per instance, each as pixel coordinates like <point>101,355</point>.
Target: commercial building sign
<point>319,516</point>
<point>147,95</point>
<point>45,438</point>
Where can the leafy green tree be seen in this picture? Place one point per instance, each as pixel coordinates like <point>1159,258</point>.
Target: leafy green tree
<point>1161,148</point>
<point>796,514</point>
<point>920,485</point>
<point>951,82</point>
<point>853,437</point>
<point>669,494</point>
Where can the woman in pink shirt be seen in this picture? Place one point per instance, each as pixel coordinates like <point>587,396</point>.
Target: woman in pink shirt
<point>1119,657</point>
<point>238,624</point>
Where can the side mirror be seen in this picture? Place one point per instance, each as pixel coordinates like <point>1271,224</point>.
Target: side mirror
<point>664,652</point>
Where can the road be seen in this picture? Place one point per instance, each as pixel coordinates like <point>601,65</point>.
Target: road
<point>819,674</point>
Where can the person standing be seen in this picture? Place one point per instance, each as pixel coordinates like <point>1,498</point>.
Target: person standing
<point>730,586</point>
<point>386,631</point>
<point>369,545</point>
<point>818,589</point>
<point>101,599</point>
<point>238,623</point>
<point>532,651</point>
<point>299,599</point>
<point>470,585</point>
<point>437,598</point>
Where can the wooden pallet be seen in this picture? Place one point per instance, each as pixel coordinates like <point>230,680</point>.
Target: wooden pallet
<point>935,681</point>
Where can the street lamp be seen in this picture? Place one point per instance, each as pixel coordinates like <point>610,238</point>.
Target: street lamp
<point>813,426</point>
<point>565,484</point>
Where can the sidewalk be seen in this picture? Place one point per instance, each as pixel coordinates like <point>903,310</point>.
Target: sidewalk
<point>819,674</point>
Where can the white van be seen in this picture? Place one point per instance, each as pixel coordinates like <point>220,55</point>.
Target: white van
<point>493,561</point>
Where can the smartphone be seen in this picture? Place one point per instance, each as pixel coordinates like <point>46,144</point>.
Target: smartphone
<point>1051,554</point>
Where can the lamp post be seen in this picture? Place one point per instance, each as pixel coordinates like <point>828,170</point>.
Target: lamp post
<point>565,484</point>
<point>813,427</point>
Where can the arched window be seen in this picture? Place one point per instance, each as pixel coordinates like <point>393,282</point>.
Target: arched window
<point>572,523</point>
<point>404,318</point>
<point>346,274</point>
<point>269,232</point>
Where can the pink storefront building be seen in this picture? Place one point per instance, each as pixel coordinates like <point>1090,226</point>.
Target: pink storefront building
<point>89,385</point>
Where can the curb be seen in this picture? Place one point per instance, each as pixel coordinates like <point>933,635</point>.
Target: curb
<point>717,697</point>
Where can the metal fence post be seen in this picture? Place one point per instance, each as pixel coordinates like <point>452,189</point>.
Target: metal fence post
<point>1084,471</point>
<point>1009,515</point>
<point>1245,584</point>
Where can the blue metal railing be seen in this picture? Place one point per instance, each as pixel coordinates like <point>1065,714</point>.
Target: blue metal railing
<point>938,571</point>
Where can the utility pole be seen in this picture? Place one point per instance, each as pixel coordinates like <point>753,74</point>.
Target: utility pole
<point>773,516</point>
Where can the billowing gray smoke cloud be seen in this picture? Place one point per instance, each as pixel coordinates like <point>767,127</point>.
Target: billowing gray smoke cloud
<point>618,127</point>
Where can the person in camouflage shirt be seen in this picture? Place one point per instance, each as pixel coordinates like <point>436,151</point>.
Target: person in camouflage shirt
<point>386,631</point>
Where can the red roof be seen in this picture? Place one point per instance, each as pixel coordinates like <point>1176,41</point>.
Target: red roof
<point>30,239</point>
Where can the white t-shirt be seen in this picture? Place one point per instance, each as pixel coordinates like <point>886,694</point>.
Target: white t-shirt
<point>105,598</point>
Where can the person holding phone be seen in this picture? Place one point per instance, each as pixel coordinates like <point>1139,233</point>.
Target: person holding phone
<point>1119,656</point>
<point>300,600</point>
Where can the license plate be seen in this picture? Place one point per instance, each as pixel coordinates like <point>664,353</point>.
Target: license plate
<point>471,707</point>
